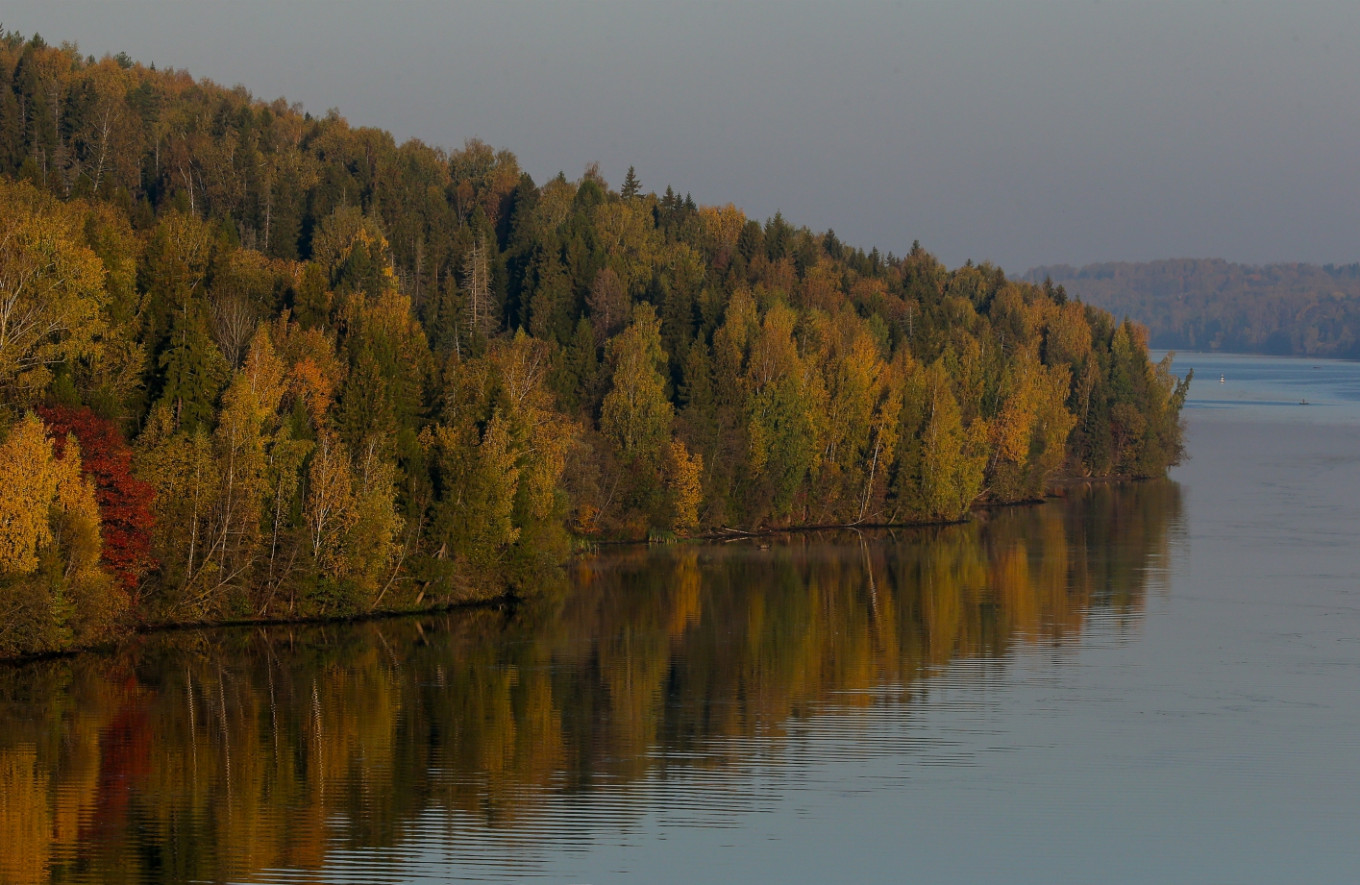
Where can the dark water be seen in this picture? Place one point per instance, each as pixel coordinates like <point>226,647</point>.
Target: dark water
<point>1157,682</point>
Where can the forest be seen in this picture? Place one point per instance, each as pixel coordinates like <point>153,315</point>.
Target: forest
<point>257,364</point>
<point>1211,304</point>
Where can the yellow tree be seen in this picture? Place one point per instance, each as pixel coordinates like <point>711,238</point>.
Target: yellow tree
<point>953,456</point>
<point>181,467</point>
<point>630,240</point>
<point>107,141</point>
<point>371,544</point>
<point>721,227</point>
<point>683,476</point>
<point>884,430</point>
<point>354,252</point>
<point>28,479</point>
<point>500,394</point>
<point>329,507</point>
<point>1029,433</point>
<point>636,416</point>
<point>350,520</point>
<point>114,371</point>
<point>608,303</point>
<point>542,435</point>
<point>786,412</point>
<point>246,428</point>
<point>52,590</point>
<point>51,290</point>
<point>851,362</point>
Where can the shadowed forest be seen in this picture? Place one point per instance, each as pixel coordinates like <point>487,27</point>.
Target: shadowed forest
<point>275,749</point>
<point>259,364</point>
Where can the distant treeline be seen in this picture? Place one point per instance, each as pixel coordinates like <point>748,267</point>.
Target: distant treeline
<point>255,363</point>
<point>1211,304</point>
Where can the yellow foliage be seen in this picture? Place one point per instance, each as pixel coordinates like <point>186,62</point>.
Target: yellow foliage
<point>75,512</point>
<point>264,374</point>
<point>822,286</point>
<point>722,225</point>
<point>541,433</point>
<point>184,473</point>
<point>1069,335</point>
<point>44,499</point>
<point>953,456</point>
<point>25,817</point>
<point>28,484</point>
<point>343,232</point>
<point>774,355</point>
<point>636,416</point>
<point>50,547</point>
<point>51,288</point>
<point>730,341</point>
<point>372,541</point>
<point>630,239</point>
<point>329,508</point>
<point>314,373</point>
<point>1029,434</point>
<point>684,479</point>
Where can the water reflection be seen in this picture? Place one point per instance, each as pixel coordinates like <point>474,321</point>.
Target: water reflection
<point>265,754</point>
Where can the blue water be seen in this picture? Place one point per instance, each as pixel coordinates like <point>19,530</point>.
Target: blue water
<point>1314,391</point>
<point>1213,737</point>
<point>1216,740</point>
<point>1155,683</point>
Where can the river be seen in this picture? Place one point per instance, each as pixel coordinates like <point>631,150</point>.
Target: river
<point>1149,682</point>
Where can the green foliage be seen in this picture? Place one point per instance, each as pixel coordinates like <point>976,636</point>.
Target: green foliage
<point>363,375</point>
<point>635,415</point>
<point>192,371</point>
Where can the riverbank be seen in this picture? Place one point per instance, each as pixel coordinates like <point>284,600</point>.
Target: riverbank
<point>1058,487</point>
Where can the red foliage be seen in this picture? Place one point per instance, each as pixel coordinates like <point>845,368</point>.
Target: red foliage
<point>125,746</point>
<point>124,501</point>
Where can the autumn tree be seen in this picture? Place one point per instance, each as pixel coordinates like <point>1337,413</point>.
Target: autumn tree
<point>125,502</point>
<point>636,416</point>
<point>360,374</point>
<point>51,290</point>
<point>786,413</point>
<point>52,590</point>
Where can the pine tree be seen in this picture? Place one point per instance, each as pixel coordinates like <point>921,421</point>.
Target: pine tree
<point>631,186</point>
<point>192,372</point>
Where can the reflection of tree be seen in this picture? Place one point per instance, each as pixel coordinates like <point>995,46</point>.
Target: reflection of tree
<point>225,754</point>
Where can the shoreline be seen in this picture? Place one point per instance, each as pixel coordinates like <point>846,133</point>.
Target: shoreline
<point>1054,491</point>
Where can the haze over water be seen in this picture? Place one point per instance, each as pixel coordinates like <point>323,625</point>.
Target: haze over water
<point>1153,682</point>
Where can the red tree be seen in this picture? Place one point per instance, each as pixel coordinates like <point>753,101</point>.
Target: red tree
<point>124,501</point>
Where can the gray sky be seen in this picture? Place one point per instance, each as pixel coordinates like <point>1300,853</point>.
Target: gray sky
<point>1020,132</point>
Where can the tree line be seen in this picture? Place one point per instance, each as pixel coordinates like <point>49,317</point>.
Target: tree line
<point>260,364</point>
<point>1211,304</point>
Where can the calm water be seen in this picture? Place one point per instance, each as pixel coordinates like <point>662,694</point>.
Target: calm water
<point>1158,682</point>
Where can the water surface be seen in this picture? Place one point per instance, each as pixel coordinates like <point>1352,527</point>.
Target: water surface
<point>1155,682</point>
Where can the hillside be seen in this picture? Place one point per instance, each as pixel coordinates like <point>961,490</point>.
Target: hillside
<point>256,363</point>
<point>1210,304</point>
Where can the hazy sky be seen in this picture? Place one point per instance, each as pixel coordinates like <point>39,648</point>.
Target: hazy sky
<point>1019,132</point>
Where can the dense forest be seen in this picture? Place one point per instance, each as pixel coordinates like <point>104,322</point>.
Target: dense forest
<point>1211,304</point>
<point>256,363</point>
